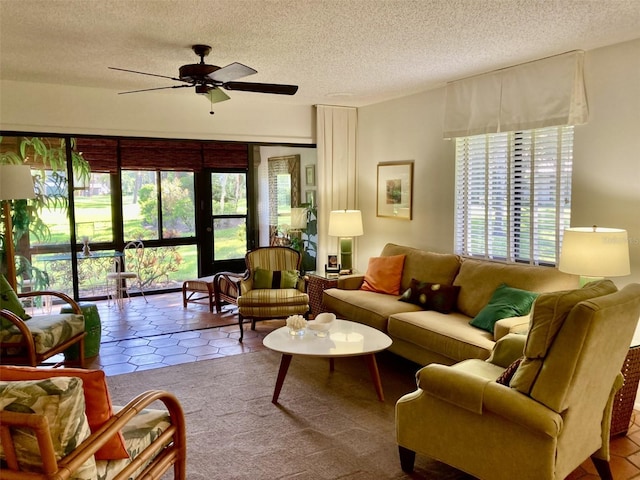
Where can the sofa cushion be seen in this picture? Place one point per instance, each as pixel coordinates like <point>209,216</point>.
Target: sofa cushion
<point>478,279</point>
<point>10,301</point>
<point>384,274</point>
<point>275,278</point>
<point>61,401</point>
<point>427,266</point>
<point>431,296</point>
<point>96,397</point>
<point>448,335</point>
<point>369,308</point>
<point>505,302</point>
<point>547,317</point>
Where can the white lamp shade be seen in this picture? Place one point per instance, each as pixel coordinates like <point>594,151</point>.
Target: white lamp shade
<point>345,223</point>
<point>298,218</point>
<point>595,252</point>
<point>16,182</point>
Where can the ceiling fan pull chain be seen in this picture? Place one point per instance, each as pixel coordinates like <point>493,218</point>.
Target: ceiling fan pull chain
<point>211,112</point>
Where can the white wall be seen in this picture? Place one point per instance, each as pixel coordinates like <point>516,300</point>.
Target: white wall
<point>606,171</point>
<point>36,107</point>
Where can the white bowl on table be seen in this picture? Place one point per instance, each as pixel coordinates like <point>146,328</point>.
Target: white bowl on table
<point>321,324</point>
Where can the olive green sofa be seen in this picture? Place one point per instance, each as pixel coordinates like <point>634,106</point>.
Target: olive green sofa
<point>427,336</point>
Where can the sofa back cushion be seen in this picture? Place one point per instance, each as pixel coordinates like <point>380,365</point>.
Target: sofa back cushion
<point>424,266</point>
<point>478,279</point>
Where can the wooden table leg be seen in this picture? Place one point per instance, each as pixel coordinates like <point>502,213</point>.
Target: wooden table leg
<point>285,361</point>
<point>375,375</point>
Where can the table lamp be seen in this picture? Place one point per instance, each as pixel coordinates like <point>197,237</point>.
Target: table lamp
<point>594,253</point>
<point>15,184</point>
<point>345,224</point>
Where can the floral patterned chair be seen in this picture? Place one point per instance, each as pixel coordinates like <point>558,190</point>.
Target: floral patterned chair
<point>26,340</point>
<point>47,432</point>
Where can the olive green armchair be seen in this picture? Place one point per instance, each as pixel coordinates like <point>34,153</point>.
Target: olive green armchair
<point>550,410</point>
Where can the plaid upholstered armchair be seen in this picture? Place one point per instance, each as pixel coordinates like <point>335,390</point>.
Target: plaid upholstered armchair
<point>272,286</point>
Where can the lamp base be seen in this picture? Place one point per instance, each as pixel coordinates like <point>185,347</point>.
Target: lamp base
<point>346,253</point>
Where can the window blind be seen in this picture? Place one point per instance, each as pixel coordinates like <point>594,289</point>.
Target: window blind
<point>543,93</point>
<point>513,194</point>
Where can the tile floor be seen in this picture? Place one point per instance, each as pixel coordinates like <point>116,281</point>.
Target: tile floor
<point>160,332</point>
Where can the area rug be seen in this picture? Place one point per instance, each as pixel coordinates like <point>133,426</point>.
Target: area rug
<point>326,425</point>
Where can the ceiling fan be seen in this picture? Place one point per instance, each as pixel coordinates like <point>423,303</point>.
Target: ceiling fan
<point>209,79</point>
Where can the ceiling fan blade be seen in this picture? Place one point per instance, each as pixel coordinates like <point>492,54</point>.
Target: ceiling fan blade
<point>276,88</point>
<point>231,72</point>
<point>157,88</point>
<point>144,73</point>
<point>215,95</point>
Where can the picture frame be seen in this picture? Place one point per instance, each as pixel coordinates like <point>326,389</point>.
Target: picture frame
<point>332,265</point>
<point>395,190</point>
<point>310,175</point>
<point>310,197</point>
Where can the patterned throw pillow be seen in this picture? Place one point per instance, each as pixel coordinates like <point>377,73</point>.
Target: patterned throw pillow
<point>61,401</point>
<point>505,302</point>
<point>98,404</point>
<point>431,296</point>
<point>275,278</point>
<point>10,301</point>
<point>507,375</point>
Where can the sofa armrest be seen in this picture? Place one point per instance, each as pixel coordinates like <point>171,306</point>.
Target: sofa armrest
<point>510,325</point>
<point>350,282</point>
<point>480,395</point>
<point>460,388</point>
<point>507,350</point>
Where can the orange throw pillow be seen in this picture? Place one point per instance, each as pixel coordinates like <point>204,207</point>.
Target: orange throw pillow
<point>96,396</point>
<point>384,274</point>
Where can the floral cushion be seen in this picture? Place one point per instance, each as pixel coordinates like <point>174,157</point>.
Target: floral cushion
<point>47,330</point>
<point>138,433</point>
<point>61,400</point>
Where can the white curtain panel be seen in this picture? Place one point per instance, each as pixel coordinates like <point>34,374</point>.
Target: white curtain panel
<point>543,93</point>
<point>336,171</point>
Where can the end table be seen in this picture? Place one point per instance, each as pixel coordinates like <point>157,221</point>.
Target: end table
<point>316,284</point>
<point>625,397</point>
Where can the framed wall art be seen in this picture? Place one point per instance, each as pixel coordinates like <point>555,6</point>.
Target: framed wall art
<point>395,190</point>
<point>310,175</point>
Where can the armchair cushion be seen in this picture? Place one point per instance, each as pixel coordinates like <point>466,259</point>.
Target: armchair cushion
<point>61,401</point>
<point>263,278</point>
<point>504,303</point>
<point>47,330</point>
<point>549,313</point>
<point>10,301</point>
<point>97,399</point>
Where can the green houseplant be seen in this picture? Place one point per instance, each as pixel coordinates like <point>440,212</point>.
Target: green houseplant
<point>47,158</point>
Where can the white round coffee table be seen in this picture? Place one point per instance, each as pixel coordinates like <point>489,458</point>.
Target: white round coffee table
<point>345,339</point>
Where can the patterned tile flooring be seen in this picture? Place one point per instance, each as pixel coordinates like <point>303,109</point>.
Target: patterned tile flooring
<point>160,332</point>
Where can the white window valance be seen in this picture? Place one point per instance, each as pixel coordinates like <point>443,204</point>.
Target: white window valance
<point>543,93</point>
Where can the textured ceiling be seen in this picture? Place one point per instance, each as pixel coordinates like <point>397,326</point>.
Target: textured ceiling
<point>343,52</point>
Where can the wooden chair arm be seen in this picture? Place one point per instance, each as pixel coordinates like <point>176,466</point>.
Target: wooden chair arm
<point>27,339</point>
<point>174,435</point>
<point>63,296</point>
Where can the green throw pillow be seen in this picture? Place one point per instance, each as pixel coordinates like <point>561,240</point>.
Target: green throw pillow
<point>505,302</point>
<point>275,278</point>
<point>10,301</point>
